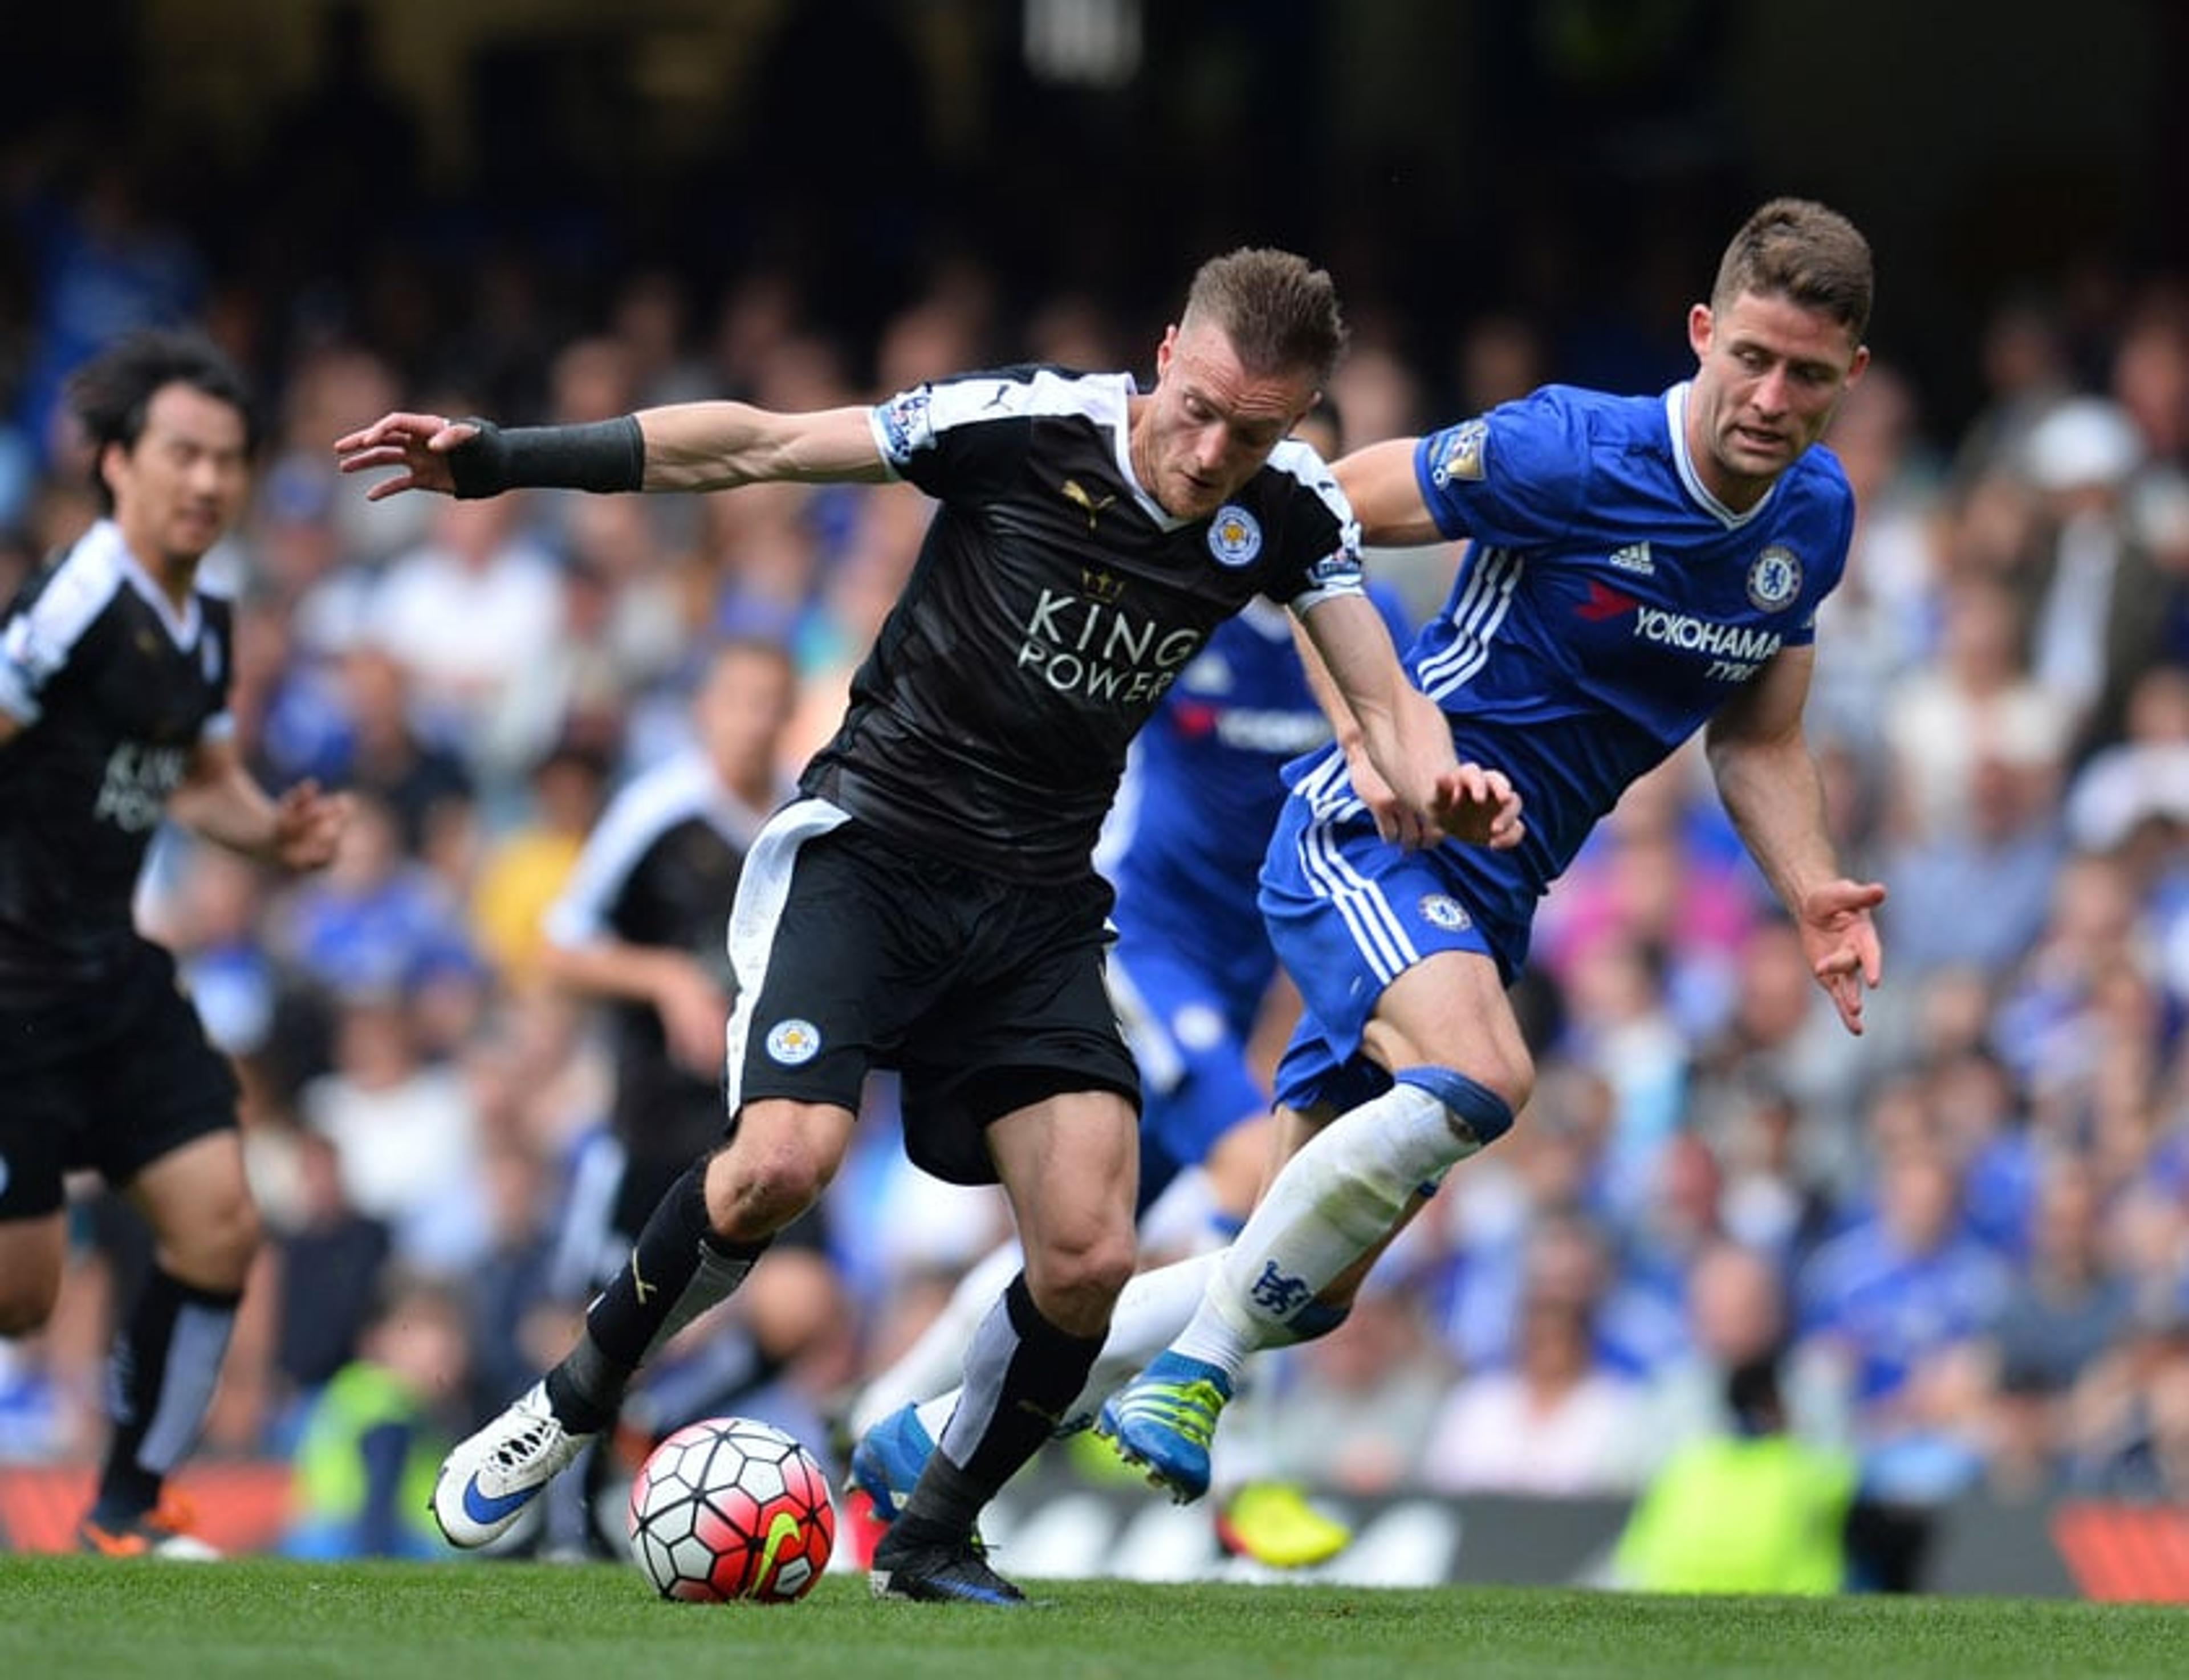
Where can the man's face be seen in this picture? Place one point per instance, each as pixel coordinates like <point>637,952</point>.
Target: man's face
<point>1769,377</point>
<point>1209,425</point>
<point>182,485</point>
<point>741,711</point>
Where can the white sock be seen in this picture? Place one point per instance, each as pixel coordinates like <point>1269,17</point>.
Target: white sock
<point>1153,1307</point>
<point>935,1364</point>
<point>1332,1203</point>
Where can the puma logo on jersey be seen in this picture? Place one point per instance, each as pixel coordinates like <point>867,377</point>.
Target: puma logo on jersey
<point>1077,494</point>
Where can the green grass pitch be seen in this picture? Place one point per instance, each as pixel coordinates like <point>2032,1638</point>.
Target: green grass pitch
<point>83,1619</point>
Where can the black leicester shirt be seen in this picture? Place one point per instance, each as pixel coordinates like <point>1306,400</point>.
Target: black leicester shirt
<point>660,869</point>
<point>114,688</point>
<point>1052,603</point>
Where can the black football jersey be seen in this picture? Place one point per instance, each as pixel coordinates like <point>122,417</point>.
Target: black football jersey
<point>113,689</point>
<point>1052,603</point>
<point>660,868</point>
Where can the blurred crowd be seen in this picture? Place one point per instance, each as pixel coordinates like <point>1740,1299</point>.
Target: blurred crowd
<point>1969,1228</point>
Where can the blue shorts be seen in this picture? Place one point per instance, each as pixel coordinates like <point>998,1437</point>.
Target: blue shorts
<point>1188,1032</point>
<point>1349,912</point>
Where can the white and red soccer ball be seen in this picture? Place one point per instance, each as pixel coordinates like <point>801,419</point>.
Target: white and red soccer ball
<point>729,1508</point>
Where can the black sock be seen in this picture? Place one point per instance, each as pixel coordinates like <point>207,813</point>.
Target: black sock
<point>676,1270</point>
<point>1021,1372</point>
<point>166,1365</point>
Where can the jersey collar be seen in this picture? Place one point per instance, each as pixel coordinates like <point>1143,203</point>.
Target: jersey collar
<point>1121,446</point>
<point>1676,416</point>
<point>182,627</point>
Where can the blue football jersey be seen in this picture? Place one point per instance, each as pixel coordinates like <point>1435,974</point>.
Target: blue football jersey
<point>1605,605</point>
<point>1202,790</point>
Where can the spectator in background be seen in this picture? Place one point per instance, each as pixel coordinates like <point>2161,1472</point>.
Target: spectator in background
<point>1502,358</point>
<point>1777,1034</point>
<point>1902,1300</point>
<point>525,869</point>
<point>374,1434</point>
<point>2143,778</point>
<point>467,613</point>
<point>2048,1009</point>
<point>2104,607</point>
<point>2023,362</point>
<point>1359,1405</point>
<point>328,1261</point>
<point>1883,619</point>
<point>1737,1316</point>
<point>1550,1422</point>
<point>377,922</point>
<point>1976,893</point>
<point>385,755</point>
<point>1750,1509</point>
<point>2070,1308</point>
<point>1652,874</point>
<point>1980,701</point>
<point>104,264</point>
<point>405,1130</point>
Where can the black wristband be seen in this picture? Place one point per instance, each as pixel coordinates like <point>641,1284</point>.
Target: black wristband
<point>606,456</point>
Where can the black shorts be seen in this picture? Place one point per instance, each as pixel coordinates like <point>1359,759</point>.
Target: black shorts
<point>112,1077</point>
<point>854,952</point>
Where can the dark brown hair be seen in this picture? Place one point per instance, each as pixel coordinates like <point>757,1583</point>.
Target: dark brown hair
<point>111,393</point>
<point>1801,251</point>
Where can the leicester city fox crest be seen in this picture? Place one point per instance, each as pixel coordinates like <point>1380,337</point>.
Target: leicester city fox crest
<point>1234,535</point>
<point>794,1042</point>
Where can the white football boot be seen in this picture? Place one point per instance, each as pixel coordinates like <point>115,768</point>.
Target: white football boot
<point>487,1480</point>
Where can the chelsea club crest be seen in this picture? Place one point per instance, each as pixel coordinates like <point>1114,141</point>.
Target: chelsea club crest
<point>1235,536</point>
<point>1774,578</point>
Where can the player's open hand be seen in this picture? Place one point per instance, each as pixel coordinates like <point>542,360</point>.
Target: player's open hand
<point>1478,807</point>
<point>418,444</point>
<point>307,826</point>
<point>1841,942</point>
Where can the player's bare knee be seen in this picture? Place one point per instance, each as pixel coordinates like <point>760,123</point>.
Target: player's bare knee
<point>754,1192</point>
<point>212,1246</point>
<point>1075,1285</point>
<point>1510,1079</point>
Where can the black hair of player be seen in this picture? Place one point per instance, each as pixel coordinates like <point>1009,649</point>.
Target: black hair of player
<point>111,393</point>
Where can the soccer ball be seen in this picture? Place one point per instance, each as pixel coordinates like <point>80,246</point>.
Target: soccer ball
<point>728,1508</point>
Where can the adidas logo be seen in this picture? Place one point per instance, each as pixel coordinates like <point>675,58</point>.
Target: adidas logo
<point>1634,557</point>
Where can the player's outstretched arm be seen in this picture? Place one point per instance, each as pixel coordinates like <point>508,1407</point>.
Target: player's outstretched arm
<point>686,446</point>
<point>1765,774</point>
<point>1387,498</point>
